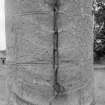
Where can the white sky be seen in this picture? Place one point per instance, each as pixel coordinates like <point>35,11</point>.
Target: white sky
<point>2,25</point>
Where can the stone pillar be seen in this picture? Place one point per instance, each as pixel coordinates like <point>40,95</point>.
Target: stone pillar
<point>30,45</point>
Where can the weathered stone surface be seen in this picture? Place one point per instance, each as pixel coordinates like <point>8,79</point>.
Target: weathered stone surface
<point>76,42</point>
<point>30,37</point>
<point>24,6</point>
<point>3,84</point>
<point>100,85</point>
<point>29,29</point>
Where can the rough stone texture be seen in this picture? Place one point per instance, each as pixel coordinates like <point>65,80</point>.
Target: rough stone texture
<point>100,86</point>
<point>3,84</point>
<point>2,88</point>
<point>29,34</point>
<point>76,49</point>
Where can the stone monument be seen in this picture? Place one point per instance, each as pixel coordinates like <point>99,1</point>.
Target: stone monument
<point>50,52</point>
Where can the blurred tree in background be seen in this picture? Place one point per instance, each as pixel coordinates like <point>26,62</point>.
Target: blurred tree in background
<point>99,31</point>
